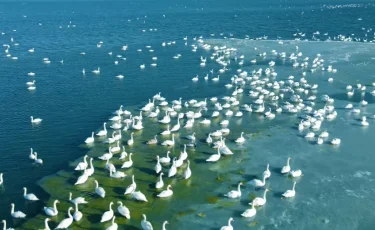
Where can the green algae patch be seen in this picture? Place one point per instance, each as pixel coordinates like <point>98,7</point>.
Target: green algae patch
<point>253,224</point>
<point>213,199</point>
<point>201,215</point>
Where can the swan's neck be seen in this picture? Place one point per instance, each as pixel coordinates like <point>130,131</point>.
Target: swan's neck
<point>287,163</point>
<point>294,185</point>
<point>164,225</point>
<point>130,157</point>
<point>24,191</point>
<point>239,188</point>
<point>45,225</point>
<point>70,215</point>
<point>105,129</point>
<point>161,176</point>
<point>264,195</point>
<point>12,211</point>
<point>55,207</point>
<point>229,222</point>
<point>5,225</point>
<point>76,205</point>
<point>70,196</point>
<point>110,206</point>
<point>133,179</point>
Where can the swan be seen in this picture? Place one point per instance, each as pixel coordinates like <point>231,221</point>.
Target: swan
<point>335,141</point>
<point>108,214</point>
<point>52,211</point>
<point>169,142</point>
<point>117,148</point>
<point>158,165</point>
<point>216,78</point>
<point>16,214</point>
<point>103,132</point>
<point>36,160</point>
<point>195,78</point>
<point>259,201</point>
<point>114,225</point>
<point>32,156</point>
<point>296,173</point>
<point>124,154</point>
<point>36,120</point>
<point>99,190</point>
<point>131,140</point>
<point>29,196</point>
<point>290,193</point>
<point>106,156</point>
<point>90,170</point>
<point>319,141</point>
<point>164,224</point>
<point>91,139</point>
<point>160,183</point>
<point>349,106</point>
<point>82,179</point>
<point>30,83</point>
<point>166,193</point>
<point>123,210</point>
<point>229,226</point>
<point>258,183</point>
<point>78,200</point>
<point>96,71</point>
<point>153,141</point>
<point>364,122</point>
<point>166,159</point>
<point>241,139</point>
<point>31,74</point>
<point>224,149</point>
<point>250,212</point>
<point>146,225</point>
<point>116,174</point>
<point>65,223</point>
<point>131,188</point>
<point>310,135</point>
<point>77,215</point>
<point>209,139</point>
<point>286,168</point>
<point>173,170</point>
<point>267,173</point>
<point>129,163</point>
<point>166,132</point>
<point>191,137</point>
<point>184,154</point>
<point>214,157</point>
<point>5,225</point>
<point>82,165</point>
<point>138,195</point>
<point>234,193</point>
<point>187,173</point>
<point>176,127</point>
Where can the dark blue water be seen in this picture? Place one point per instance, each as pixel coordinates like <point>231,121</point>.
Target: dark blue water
<point>72,105</point>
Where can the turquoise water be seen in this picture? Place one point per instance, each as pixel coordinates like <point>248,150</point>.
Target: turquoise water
<point>72,105</point>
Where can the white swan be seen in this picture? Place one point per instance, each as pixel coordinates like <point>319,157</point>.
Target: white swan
<point>364,122</point>
<point>78,200</point>
<point>241,139</point>
<point>234,193</point>
<point>108,214</point>
<point>52,211</point>
<point>296,173</point>
<point>153,141</point>
<point>103,132</point>
<point>131,188</point>
<point>267,173</point>
<point>259,201</point>
<point>286,168</point>
<point>169,142</point>
<point>166,159</point>
<point>191,137</point>
<point>123,210</point>
<point>46,226</point>
<point>160,183</point>
<point>164,224</point>
<point>176,127</point>
<point>82,165</point>
<point>187,173</point>
<point>36,160</point>
<point>16,214</point>
<point>29,196</point>
<point>106,156</point>
<point>166,193</point>
<point>36,120</point>
<point>99,190</point>
<point>166,132</point>
<point>158,165</point>
<point>290,193</point>
<point>5,225</point>
<point>146,225</point>
<point>209,139</point>
<point>96,71</point>
<point>131,140</point>
<point>258,183</point>
<point>249,212</point>
<point>129,163</point>
<point>138,195</point>
<point>77,215</point>
<point>32,156</point>
<point>335,141</point>
<point>82,179</point>
<point>229,226</point>
<point>173,170</point>
<point>114,225</point>
<point>214,157</point>
<point>90,170</point>
<point>116,174</point>
<point>91,139</point>
<point>65,223</point>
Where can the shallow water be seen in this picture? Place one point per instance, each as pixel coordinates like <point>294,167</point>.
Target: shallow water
<point>73,105</point>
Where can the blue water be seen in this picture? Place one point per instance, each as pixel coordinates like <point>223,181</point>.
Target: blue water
<point>72,105</point>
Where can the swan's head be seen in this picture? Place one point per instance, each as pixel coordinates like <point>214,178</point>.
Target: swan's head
<point>240,183</point>
<point>169,187</point>
<point>24,188</point>
<point>157,157</point>
<point>144,216</point>
<point>119,203</point>
<point>161,173</point>
<point>57,201</point>
<point>110,204</point>
<point>47,219</point>
<point>166,222</point>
